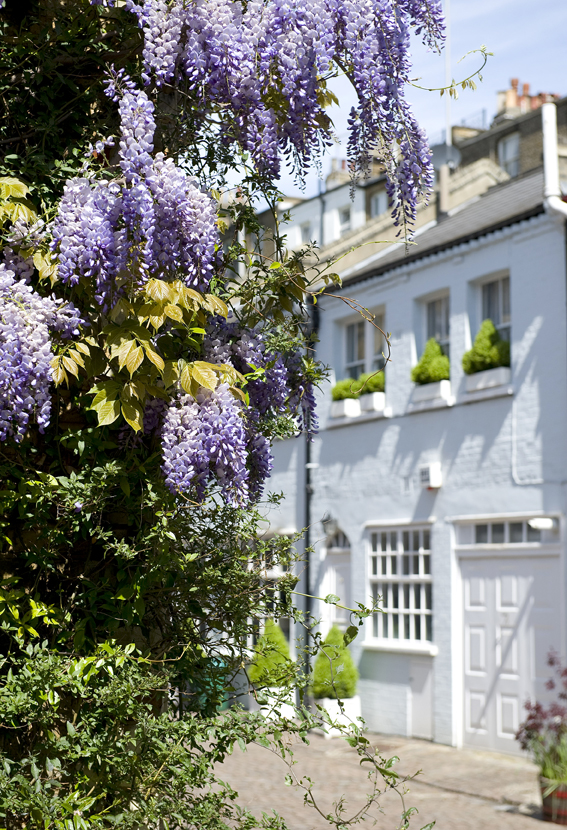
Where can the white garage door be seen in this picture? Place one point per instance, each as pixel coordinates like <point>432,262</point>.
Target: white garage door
<point>512,617</point>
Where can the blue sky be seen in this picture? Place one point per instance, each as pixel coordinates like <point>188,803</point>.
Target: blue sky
<point>528,40</point>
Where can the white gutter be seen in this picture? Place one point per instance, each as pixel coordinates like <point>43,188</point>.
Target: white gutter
<point>551,189</point>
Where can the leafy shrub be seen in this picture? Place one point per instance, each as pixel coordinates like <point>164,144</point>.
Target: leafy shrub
<point>488,352</point>
<point>544,732</point>
<point>334,674</point>
<point>271,665</point>
<point>363,385</point>
<point>433,366</point>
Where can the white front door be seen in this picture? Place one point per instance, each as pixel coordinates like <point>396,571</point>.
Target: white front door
<point>512,618</point>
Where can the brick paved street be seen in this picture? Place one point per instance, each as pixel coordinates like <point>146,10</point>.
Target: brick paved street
<point>459,789</point>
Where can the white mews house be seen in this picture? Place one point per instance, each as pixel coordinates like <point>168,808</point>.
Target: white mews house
<point>448,500</point>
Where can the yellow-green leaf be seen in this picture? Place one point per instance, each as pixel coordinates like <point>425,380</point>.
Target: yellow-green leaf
<point>215,305</point>
<point>77,357</point>
<point>174,313</point>
<point>134,414</point>
<point>108,412</point>
<point>13,187</point>
<point>204,374</point>
<point>123,352</point>
<point>185,379</point>
<point>134,359</point>
<point>158,290</point>
<point>59,373</point>
<point>170,373</point>
<point>155,358</point>
<point>70,365</point>
<point>83,348</point>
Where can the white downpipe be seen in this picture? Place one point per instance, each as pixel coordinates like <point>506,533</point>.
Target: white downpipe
<point>551,189</point>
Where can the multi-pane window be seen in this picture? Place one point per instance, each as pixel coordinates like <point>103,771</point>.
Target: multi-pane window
<point>305,229</point>
<point>509,154</point>
<point>344,220</point>
<point>438,322</point>
<point>378,203</point>
<point>496,305</point>
<point>355,349</point>
<point>502,533</point>
<point>365,347</point>
<point>400,582</point>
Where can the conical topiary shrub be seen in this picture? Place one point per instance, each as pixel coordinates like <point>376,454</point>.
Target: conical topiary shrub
<point>433,366</point>
<point>334,674</point>
<point>489,351</point>
<point>271,666</point>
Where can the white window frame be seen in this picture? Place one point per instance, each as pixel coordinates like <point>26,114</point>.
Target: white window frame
<point>509,154</point>
<point>439,329</point>
<point>503,321</point>
<point>345,220</point>
<point>305,233</point>
<point>399,571</point>
<point>378,204</point>
<point>373,343</point>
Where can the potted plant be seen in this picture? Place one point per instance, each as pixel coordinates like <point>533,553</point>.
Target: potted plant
<point>365,394</point>
<point>431,374</point>
<point>544,735</point>
<point>271,672</point>
<point>487,364</point>
<point>334,682</point>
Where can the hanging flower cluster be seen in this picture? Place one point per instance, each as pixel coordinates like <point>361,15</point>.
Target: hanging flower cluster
<point>261,64</point>
<point>157,224</point>
<point>26,321</point>
<point>240,441</point>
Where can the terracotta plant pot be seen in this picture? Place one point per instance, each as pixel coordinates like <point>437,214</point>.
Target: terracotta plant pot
<point>554,804</point>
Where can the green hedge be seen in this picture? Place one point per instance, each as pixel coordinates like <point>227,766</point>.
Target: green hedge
<point>433,366</point>
<point>363,385</point>
<point>334,674</point>
<point>271,665</point>
<point>489,351</point>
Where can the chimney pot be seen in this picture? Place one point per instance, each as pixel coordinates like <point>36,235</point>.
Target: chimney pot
<point>514,82</point>
<point>525,89</point>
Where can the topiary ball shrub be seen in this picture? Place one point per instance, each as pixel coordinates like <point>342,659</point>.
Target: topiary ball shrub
<point>271,665</point>
<point>433,366</point>
<point>363,385</point>
<point>489,351</point>
<point>334,675</point>
<point>370,382</point>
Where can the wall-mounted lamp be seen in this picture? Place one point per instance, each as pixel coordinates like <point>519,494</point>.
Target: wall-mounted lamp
<point>330,525</point>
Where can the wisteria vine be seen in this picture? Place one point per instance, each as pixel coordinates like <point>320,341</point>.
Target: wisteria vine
<point>133,241</point>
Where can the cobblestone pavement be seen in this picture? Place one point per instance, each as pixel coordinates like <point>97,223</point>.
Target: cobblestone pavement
<point>458,789</point>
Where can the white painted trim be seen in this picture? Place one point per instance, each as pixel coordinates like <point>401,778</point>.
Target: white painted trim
<point>485,394</point>
<point>494,517</point>
<point>507,551</point>
<point>379,523</point>
<point>401,646</point>
<point>488,379</point>
<point>333,423</point>
<point>457,647</point>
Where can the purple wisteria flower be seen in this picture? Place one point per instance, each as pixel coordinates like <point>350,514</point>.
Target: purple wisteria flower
<point>204,441</point>
<point>26,319</point>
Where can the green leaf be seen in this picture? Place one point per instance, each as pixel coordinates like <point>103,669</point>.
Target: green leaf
<point>155,358</point>
<point>124,484</point>
<point>134,415</point>
<point>332,599</point>
<point>350,634</point>
<point>134,359</point>
<point>124,351</point>
<point>108,412</point>
<point>174,313</point>
<point>185,379</point>
<point>170,373</point>
<point>204,374</point>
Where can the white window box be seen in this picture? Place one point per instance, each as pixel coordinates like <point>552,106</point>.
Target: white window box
<point>352,711</point>
<point>372,402</point>
<point>488,379</point>
<point>439,390</point>
<point>347,408</point>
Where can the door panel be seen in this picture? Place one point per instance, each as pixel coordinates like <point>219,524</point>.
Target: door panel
<point>512,617</point>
